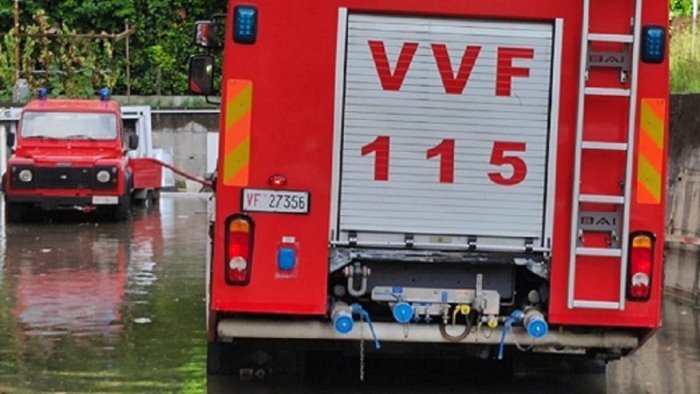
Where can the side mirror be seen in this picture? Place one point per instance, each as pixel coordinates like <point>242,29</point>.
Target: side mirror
<point>10,139</point>
<point>207,34</point>
<point>201,74</point>
<point>133,141</point>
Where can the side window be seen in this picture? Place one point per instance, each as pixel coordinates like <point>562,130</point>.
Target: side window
<point>128,129</point>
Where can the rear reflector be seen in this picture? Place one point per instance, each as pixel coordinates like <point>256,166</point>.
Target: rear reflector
<point>239,244</point>
<point>641,263</point>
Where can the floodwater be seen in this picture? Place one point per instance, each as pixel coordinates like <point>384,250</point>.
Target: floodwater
<point>119,308</point>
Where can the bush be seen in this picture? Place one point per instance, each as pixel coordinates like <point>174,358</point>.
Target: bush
<point>159,49</point>
<point>685,58</point>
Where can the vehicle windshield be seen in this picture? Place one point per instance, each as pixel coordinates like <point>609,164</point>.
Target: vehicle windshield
<point>69,125</point>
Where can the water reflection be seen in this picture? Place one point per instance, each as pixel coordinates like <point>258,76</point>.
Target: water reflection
<point>57,296</point>
<point>97,307</point>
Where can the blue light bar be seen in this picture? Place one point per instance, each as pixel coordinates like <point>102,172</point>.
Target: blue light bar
<point>653,44</point>
<point>42,93</point>
<point>104,94</point>
<point>245,24</point>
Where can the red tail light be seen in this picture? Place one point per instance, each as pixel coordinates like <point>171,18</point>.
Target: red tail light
<point>641,263</point>
<point>239,245</point>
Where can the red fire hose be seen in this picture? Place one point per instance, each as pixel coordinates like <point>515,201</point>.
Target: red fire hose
<point>204,182</point>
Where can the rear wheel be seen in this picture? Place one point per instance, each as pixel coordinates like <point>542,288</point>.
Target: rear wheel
<point>219,358</point>
<point>154,196</point>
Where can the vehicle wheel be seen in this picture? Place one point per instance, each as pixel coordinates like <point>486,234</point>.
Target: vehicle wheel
<point>16,213</point>
<point>120,212</point>
<point>154,196</point>
<point>216,358</point>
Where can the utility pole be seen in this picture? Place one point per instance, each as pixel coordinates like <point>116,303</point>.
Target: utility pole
<point>17,40</point>
<point>695,11</point>
<point>128,64</point>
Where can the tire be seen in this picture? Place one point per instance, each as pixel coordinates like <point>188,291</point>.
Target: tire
<point>216,359</point>
<point>120,212</point>
<point>16,213</point>
<point>154,197</point>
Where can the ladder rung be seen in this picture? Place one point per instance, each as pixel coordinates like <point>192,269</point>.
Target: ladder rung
<point>607,92</point>
<point>596,304</point>
<point>620,38</point>
<point>599,145</point>
<point>601,199</point>
<point>602,252</point>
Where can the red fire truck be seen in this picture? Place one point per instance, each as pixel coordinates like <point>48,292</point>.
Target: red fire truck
<point>464,174</point>
<point>72,154</point>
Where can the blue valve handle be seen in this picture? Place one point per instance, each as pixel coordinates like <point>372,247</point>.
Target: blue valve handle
<point>358,310</point>
<point>515,317</point>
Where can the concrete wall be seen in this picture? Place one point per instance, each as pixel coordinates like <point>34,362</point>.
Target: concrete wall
<point>185,136</point>
<point>683,202</point>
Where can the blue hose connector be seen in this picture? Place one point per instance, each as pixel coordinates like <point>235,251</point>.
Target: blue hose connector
<point>342,322</point>
<point>535,324</point>
<point>403,312</point>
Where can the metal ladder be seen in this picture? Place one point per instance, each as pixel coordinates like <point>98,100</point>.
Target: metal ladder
<point>622,202</point>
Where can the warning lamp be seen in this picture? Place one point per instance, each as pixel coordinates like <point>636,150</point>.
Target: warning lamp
<point>239,245</point>
<point>104,94</point>
<point>653,44</point>
<point>640,267</point>
<point>286,258</point>
<point>245,24</point>
<point>277,181</point>
<point>42,93</point>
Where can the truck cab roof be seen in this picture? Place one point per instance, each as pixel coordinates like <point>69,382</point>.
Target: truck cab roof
<point>73,105</point>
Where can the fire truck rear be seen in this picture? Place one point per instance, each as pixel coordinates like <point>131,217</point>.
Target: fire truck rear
<point>472,175</point>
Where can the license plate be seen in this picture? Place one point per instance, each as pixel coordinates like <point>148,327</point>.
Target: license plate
<point>105,200</point>
<point>256,200</point>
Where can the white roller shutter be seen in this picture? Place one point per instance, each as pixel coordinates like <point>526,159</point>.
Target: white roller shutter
<point>429,196</point>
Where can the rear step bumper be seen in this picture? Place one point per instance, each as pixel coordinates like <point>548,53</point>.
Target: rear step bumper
<point>228,329</point>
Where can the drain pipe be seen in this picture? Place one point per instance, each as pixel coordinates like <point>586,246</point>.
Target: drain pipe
<point>515,318</point>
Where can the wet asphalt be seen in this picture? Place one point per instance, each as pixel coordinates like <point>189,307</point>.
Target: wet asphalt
<point>91,307</point>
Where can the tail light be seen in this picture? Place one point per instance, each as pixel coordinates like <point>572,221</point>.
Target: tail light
<point>641,263</point>
<point>239,245</point>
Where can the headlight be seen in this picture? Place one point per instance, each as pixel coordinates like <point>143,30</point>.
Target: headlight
<point>103,176</point>
<point>25,176</point>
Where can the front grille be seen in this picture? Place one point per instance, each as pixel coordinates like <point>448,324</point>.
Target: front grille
<point>63,178</point>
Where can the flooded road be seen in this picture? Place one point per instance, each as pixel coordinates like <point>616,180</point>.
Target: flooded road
<point>105,307</point>
<point>119,308</point>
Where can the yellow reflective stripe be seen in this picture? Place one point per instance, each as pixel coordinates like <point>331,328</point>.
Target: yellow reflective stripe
<point>236,140</point>
<point>650,178</point>
<point>239,105</point>
<point>237,160</point>
<point>652,125</point>
<point>652,128</point>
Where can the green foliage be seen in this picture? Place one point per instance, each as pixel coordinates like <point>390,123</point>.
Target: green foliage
<point>159,49</point>
<point>7,66</point>
<point>66,65</point>
<point>685,59</point>
<point>681,7</point>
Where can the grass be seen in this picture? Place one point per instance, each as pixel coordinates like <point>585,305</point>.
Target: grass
<point>685,57</point>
